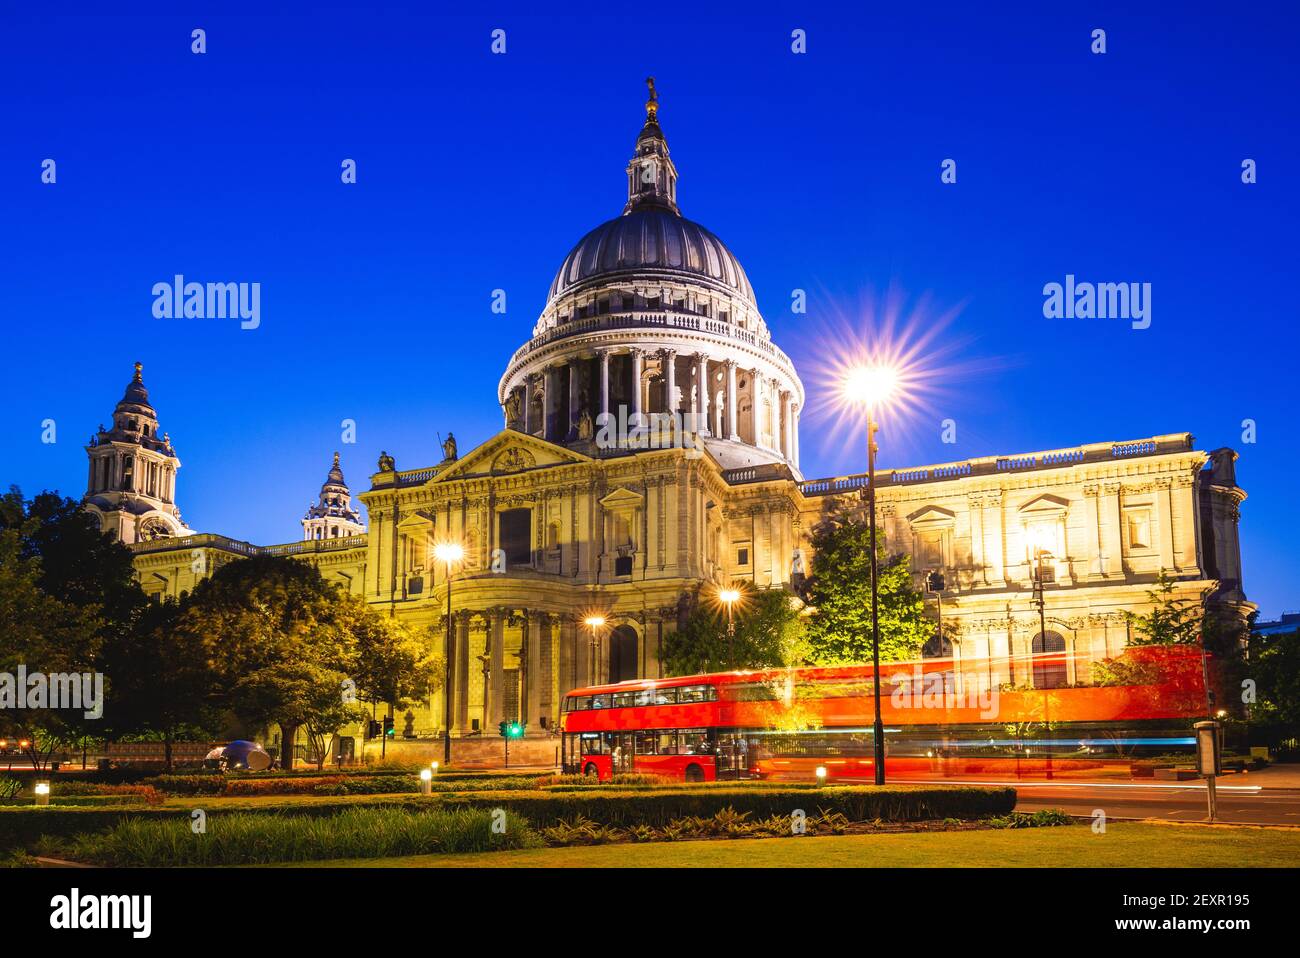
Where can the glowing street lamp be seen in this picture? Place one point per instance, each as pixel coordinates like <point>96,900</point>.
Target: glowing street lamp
<point>729,597</point>
<point>426,781</point>
<point>872,387</point>
<point>42,791</point>
<point>595,622</point>
<point>448,553</point>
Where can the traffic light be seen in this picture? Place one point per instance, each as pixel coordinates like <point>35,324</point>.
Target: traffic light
<point>389,730</point>
<point>372,729</point>
<point>511,729</point>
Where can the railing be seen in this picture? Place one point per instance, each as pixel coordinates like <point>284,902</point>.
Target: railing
<point>992,465</point>
<point>212,541</point>
<point>761,473</point>
<point>648,320</point>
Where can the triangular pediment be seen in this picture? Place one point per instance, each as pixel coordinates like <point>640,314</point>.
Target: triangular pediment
<point>622,498</point>
<point>1044,505</point>
<point>509,452</point>
<point>932,515</point>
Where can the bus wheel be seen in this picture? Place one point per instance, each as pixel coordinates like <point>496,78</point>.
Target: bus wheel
<point>694,773</point>
<point>591,771</point>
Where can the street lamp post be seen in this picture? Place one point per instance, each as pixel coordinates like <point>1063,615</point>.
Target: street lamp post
<point>871,386</point>
<point>448,553</point>
<point>595,623</point>
<point>729,597</point>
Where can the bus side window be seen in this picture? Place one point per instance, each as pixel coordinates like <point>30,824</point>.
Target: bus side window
<point>600,701</point>
<point>665,696</point>
<point>668,743</point>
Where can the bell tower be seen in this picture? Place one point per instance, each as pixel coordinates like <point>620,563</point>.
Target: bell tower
<point>332,516</point>
<point>131,484</point>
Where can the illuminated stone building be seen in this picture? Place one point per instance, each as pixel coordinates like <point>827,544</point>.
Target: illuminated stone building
<point>650,452</point>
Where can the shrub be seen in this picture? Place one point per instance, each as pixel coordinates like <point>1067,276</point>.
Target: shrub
<point>251,839</point>
<point>657,807</point>
<point>145,794</point>
<point>1046,817</point>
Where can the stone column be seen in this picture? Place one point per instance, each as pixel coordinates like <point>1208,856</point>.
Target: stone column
<point>528,404</point>
<point>533,632</point>
<point>637,367</point>
<point>794,432</point>
<point>755,415</point>
<point>571,432</point>
<point>670,379</point>
<point>548,399</point>
<point>787,432</point>
<point>497,640</point>
<point>460,677</point>
<point>731,399</point>
<point>1164,524</point>
<point>604,382</point>
<point>1111,540</point>
<point>702,393</point>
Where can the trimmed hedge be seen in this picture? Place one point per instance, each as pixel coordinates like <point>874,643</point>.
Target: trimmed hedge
<point>23,827</point>
<point>859,803</point>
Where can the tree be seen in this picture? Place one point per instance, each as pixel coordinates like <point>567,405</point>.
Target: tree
<point>393,664</point>
<point>275,631</point>
<point>1172,620</point>
<point>73,593</point>
<point>769,634</point>
<point>162,681</point>
<point>1275,669</point>
<point>839,593</point>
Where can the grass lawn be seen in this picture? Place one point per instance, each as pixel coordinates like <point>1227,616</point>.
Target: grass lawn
<point>1123,844</point>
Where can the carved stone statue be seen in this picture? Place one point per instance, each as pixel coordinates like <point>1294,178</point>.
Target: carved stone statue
<point>386,462</point>
<point>586,427</point>
<point>512,409</point>
<point>449,448</point>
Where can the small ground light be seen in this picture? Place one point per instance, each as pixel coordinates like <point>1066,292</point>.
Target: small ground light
<point>42,791</point>
<point>821,774</point>
<point>434,767</point>
<point>426,781</point>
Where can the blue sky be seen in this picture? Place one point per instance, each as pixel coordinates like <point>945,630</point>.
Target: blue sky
<point>479,171</point>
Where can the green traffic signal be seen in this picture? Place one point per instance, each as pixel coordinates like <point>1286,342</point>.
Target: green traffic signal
<point>511,729</point>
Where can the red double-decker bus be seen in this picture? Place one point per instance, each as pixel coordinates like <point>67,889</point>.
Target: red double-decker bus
<point>941,718</point>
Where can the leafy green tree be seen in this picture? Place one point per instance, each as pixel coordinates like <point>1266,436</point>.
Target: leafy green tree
<point>1173,620</point>
<point>394,663</point>
<point>769,634</point>
<point>162,681</point>
<point>839,593</point>
<point>275,630</point>
<point>1275,668</point>
<point>76,591</point>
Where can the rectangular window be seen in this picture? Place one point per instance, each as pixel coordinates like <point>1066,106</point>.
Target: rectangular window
<point>694,741</point>
<point>515,529</point>
<point>646,743</point>
<point>600,701</point>
<point>623,700</point>
<point>667,744</point>
<point>696,693</point>
<point>623,565</point>
<point>742,557</point>
<point>1138,523</point>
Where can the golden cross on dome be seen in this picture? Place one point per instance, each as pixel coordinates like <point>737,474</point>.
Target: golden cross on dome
<point>652,104</point>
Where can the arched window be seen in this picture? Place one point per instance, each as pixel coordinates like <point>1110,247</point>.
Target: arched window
<point>622,654</point>
<point>1049,674</point>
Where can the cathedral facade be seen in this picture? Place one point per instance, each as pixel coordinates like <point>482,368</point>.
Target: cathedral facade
<point>650,454</point>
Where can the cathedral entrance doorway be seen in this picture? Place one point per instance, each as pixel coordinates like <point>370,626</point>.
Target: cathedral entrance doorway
<point>622,654</point>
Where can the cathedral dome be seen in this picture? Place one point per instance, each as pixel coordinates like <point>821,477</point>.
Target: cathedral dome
<point>646,241</point>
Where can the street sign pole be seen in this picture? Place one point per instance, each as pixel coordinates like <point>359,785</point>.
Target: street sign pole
<point>1209,760</point>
